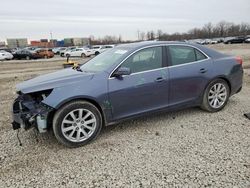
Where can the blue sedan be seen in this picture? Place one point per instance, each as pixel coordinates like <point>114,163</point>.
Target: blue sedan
<point>127,81</point>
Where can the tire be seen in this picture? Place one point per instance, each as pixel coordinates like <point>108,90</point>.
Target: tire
<point>27,58</point>
<point>213,94</point>
<point>64,119</point>
<point>83,55</point>
<point>97,53</point>
<point>46,57</point>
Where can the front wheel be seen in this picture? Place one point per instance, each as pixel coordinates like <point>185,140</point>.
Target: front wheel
<point>215,96</point>
<point>77,123</point>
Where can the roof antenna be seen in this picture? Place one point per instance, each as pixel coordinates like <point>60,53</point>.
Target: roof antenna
<point>20,143</point>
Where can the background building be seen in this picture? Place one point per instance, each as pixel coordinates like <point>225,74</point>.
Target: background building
<point>2,44</point>
<point>44,43</point>
<point>17,43</point>
<point>76,41</point>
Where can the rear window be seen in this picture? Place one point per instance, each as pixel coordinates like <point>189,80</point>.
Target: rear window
<point>184,54</point>
<point>199,55</point>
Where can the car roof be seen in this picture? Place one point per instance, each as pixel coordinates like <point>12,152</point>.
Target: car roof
<point>138,45</point>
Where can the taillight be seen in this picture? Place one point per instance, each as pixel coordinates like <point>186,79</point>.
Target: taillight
<point>239,60</point>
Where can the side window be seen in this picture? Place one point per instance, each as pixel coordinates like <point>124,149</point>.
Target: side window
<point>146,59</point>
<point>182,54</point>
<point>199,55</point>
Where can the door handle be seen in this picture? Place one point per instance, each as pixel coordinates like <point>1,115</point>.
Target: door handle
<point>160,79</point>
<point>203,70</point>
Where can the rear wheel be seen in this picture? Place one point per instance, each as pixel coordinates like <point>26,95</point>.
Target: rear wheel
<point>27,57</point>
<point>97,53</point>
<point>216,96</point>
<point>77,123</point>
<point>83,55</point>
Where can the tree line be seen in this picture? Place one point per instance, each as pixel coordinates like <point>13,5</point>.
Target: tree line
<point>220,30</point>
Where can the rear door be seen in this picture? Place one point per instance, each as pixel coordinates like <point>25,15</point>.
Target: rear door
<point>189,72</point>
<point>145,89</point>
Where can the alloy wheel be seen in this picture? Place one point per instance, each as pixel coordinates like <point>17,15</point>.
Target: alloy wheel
<point>78,125</point>
<point>217,95</point>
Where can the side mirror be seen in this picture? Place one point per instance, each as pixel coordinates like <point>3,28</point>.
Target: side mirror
<point>122,71</point>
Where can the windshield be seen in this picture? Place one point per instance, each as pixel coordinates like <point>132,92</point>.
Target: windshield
<point>103,60</point>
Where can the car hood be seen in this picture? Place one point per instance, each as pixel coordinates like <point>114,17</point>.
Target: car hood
<point>53,80</point>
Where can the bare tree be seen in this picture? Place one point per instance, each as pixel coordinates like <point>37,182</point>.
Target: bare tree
<point>221,29</point>
<point>208,30</point>
<point>159,34</point>
<point>142,36</point>
<point>148,35</point>
<point>221,26</point>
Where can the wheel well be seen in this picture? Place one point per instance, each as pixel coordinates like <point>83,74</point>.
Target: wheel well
<point>220,77</point>
<point>228,83</point>
<point>51,114</point>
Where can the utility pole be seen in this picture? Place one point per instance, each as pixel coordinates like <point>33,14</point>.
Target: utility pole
<point>51,35</point>
<point>138,34</point>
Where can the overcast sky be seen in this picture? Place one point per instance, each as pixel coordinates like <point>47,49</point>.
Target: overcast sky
<point>78,18</point>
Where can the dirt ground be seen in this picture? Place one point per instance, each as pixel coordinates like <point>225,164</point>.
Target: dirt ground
<point>188,148</point>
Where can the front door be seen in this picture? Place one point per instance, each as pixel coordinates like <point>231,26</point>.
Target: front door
<point>145,89</point>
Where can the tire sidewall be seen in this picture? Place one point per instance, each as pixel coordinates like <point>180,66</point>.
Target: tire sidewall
<point>205,103</point>
<point>63,111</point>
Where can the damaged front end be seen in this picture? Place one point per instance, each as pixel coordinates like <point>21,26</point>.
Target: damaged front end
<point>29,111</point>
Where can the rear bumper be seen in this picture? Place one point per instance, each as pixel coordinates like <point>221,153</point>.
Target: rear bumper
<point>236,80</point>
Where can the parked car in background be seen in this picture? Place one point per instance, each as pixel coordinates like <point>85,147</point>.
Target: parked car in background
<point>128,81</point>
<point>13,50</point>
<point>101,48</point>
<point>66,50</point>
<point>235,40</point>
<point>5,55</point>
<point>247,40</point>
<point>44,53</point>
<point>6,50</point>
<point>25,54</point>
<point>204,41</point>
<point>31,48</point>
<point>79,52</point>
<point>214,41</point>
<point>58,50</point>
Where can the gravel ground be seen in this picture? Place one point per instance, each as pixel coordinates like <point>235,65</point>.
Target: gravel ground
<point>188,148</point>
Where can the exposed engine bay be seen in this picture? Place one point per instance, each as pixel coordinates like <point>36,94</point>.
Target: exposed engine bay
<point>29,111</point>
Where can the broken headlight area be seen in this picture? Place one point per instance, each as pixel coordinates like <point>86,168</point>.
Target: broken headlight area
<point>29,111</point>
